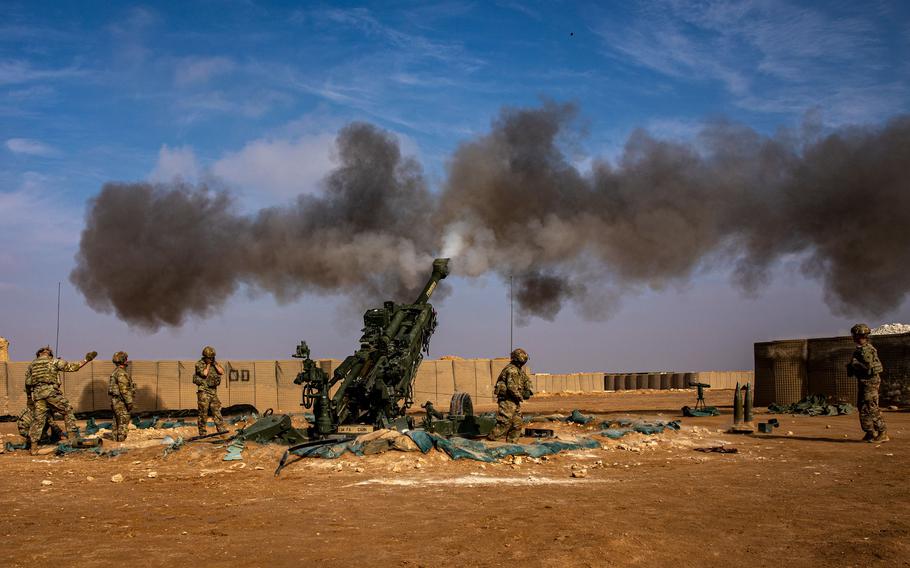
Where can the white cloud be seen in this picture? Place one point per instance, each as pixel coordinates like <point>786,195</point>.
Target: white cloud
<point>29,147</point>
<point>15,72</point>
<point>771,56</point>
<point>179,162</point>
<point>279,166</point>
<point>196,70</point>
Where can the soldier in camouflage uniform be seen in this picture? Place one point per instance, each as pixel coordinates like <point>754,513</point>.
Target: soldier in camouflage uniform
<point>51,434</point>
<point>866,368</point>
<point>122,391</point>
<point>42,382</point>
<point>512,387</point>
<point>207,378</point>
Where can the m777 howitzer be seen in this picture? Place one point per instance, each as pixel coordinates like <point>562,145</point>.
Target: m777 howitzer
<point>374,386</point>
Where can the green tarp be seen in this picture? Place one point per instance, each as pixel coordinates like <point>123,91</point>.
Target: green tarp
<point>479,450</point>
<point>813,405</point>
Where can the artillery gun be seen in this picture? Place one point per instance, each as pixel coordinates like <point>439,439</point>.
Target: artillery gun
<point>374,386</point>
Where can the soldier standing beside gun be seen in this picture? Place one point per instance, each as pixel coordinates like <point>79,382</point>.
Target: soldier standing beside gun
<point>42,381</point>
<point>512,387</point>
<point>207,378</point>
<point>122,391</point>
<point>866,368</point>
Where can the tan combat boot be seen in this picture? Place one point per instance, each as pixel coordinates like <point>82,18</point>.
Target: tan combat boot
<point>881,437</point>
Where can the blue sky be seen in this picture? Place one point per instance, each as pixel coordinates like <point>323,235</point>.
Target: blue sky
<point>253,93</point>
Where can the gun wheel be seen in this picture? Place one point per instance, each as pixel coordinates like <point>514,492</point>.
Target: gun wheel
<point>461,405</point>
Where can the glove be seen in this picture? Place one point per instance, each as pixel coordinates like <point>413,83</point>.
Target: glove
<point>90,355</point>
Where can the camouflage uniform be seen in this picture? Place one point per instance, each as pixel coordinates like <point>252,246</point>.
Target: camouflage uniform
<point>122,392</point>
<point>512,387</point>
<point>51,434</point>
<point>207,396</point>
<point>867,368</point>
<point>43,380</point>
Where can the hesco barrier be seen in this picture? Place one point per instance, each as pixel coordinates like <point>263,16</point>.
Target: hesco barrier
<point>780,372</point>
<point>654,381</point>
<point>786,371</point>
<point>168,385</point>
<point>826,368</point>
<point>894,351</point>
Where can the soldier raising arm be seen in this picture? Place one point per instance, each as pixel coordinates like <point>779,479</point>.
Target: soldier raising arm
<point>42,380</point>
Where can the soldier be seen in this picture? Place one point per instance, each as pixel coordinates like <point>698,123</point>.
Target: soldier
<point>52,433</point>
<point>207,378</point>
<point>42,383</point>
<point>512,387</point>
<point>122,391</point>
<point>866,368</point>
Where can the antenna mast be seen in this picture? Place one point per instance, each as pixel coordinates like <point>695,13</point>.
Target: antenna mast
<point>57,341</point>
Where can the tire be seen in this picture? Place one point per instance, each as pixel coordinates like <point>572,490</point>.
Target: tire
<point>461,405</point>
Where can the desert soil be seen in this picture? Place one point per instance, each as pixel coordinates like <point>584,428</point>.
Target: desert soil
<point>810,494</point>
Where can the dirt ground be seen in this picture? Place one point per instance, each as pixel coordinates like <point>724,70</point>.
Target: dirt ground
<point>811,494</point>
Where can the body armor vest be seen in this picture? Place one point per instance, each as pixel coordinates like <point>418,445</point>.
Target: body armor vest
<point>42,372</point>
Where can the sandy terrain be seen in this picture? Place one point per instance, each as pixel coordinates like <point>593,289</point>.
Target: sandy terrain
<point>815,497</point>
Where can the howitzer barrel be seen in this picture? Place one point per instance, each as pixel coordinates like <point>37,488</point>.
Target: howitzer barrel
<point>440,271</point>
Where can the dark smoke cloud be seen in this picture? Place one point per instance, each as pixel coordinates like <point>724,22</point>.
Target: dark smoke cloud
<point>515,204</point>
<point>155,254</point>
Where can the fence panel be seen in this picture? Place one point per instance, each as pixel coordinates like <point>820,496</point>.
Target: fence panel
<point>145,377</point>
<point>288,394</point>
<point>77,387</point>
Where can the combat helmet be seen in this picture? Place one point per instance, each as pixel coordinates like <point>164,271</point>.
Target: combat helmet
<point>208,352</point>
<point>519,356</point>
<point>120,358</point>
<point>860,330</point>
<point>43,349</point>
